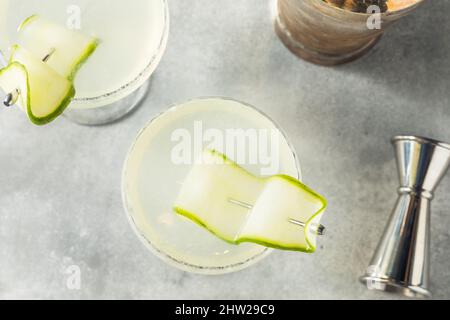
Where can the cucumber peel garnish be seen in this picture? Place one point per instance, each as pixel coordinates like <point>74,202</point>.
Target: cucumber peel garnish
<point>214,181</point>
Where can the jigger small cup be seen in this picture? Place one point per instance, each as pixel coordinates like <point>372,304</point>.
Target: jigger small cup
<point>324,34</point>
<point>401,261</point>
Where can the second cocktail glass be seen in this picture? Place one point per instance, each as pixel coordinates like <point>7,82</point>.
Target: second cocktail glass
<point>162,156</point>
<point>133,36</point>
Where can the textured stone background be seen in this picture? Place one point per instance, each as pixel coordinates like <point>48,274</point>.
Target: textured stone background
<point>60,200</point>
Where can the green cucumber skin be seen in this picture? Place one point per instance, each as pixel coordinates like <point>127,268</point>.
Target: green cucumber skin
<point>194,219</point>
<point>267,243</point>
<point>263,242</point>
<point>27,21</point>
<point>233,164</point>
<point>289,179</point>
<point>58,111</point>
<point>13,51</point>
<point>89,51</point>
<point>50,118</point>
<point>313,193</point>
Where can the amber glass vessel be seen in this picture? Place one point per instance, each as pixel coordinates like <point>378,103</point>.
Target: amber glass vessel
<point>322,33</point>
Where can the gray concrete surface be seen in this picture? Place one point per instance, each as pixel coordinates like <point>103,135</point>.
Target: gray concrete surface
<point>60,200</point>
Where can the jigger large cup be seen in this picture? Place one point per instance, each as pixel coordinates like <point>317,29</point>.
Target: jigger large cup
<point>325,34</point>
<point>401,261</point>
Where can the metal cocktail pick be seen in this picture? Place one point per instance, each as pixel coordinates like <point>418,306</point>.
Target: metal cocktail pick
<point>320,229</point>
<point>11,98</point>
<point>401,261</point>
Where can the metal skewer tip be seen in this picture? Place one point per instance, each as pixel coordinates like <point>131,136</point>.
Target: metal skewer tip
<point>320,229</point>
<point>11,98</point>
<point>52,51</point>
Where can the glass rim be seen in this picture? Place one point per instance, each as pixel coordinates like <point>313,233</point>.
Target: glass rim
<point>167,258</point>
<point>143,75</point>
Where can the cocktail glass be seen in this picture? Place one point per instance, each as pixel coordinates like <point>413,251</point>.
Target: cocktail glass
<point>152,179</point>
<point>133,36</point>
<point>322,33</point>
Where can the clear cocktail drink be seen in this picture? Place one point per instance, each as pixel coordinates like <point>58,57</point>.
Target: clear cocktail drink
<point>161,158</point>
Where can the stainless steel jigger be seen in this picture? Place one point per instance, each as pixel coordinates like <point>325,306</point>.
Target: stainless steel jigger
<point>401,261</point>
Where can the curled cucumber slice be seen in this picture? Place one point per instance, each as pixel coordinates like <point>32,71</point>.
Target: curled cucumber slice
<point>42,93</point>
<point>237,206</point>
